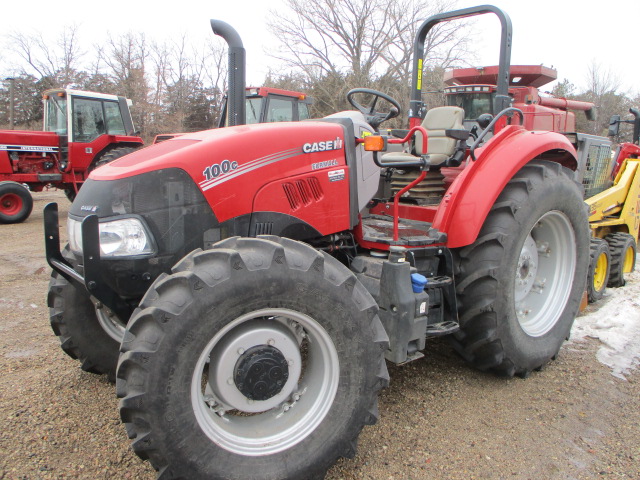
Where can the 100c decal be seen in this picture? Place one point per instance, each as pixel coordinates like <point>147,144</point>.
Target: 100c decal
<point>217,169</point>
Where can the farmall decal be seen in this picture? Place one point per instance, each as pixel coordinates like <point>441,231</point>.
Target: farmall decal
<point>325,146</point>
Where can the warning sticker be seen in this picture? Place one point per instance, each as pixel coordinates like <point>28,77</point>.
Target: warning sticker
<point>336,175</point>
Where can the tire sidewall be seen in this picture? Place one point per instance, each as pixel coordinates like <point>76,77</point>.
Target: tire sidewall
<point>522,348</point>
<point>168,386</point>
<point>14,188</point>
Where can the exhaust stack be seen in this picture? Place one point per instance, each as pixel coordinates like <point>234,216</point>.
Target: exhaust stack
<point>236,101</point>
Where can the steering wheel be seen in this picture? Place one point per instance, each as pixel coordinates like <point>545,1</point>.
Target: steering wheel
<point>374,117</point>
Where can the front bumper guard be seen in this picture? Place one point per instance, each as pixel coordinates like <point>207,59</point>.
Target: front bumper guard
<point>91,264</point>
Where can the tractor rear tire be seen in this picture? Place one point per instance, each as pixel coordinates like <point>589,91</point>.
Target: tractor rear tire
<point>88,334</point>
<point>623,257</point>
<point>16,202</point>
<point>103,159</point>
<point>520,284</point>
<point>191,373</point>
<point>599,263</point>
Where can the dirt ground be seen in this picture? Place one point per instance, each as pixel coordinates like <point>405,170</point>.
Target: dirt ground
<point>439,419</point>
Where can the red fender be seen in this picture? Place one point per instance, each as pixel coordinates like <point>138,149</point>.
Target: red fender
<point>466,204</point>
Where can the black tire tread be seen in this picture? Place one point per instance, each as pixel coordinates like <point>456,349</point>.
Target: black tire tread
<point>478,341</point>
<point>618,244</point>
<point>596,247</point>
<point>171,295</point>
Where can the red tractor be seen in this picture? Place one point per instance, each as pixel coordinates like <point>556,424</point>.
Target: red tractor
<point>82,130</point>
<point>245,285</point>
<point>264,105</point>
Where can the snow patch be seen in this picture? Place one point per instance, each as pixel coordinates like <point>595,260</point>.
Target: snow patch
<point>615,321</point>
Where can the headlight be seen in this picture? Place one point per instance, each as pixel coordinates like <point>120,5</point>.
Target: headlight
<point>124,237</point>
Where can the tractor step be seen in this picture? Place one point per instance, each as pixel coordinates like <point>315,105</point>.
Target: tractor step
<point>443,328</point>
<point>379,229</point>
<point>438,282</point>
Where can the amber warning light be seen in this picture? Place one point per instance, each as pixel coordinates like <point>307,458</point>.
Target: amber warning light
<point>375,143</point>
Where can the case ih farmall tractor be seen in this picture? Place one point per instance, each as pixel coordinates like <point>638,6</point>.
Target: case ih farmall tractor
<point>245,285</point>
<point>82,130</point>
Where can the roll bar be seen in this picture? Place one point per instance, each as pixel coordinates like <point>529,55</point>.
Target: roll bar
<point>502,100</point>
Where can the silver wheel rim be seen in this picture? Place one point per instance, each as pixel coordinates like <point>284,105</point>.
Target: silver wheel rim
<point>544,274</point>
<point>252,427</point>
<point>110,323</point>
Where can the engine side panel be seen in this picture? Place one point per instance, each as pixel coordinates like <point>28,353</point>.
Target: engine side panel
<point>252,167</point>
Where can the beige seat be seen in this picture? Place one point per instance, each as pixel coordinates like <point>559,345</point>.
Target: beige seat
<point>439,146</point>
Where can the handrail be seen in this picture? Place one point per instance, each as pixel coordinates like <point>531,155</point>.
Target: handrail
<point>490,127</point>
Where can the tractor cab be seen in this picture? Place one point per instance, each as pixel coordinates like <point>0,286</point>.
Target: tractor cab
<point>475,100</point>
<point>267,105</point>
<point>84,116</point>
<point>87,123</point>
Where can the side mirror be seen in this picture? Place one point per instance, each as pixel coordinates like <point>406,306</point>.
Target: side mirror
<point>484,120</point>
<point>614,125</point>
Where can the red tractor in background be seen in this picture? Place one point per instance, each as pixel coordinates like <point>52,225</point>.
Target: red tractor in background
<point>245,285</point>
<point>264,105</point>
<point>82,130</point>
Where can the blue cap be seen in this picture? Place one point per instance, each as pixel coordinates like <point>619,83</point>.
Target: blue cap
<point>418,282</point>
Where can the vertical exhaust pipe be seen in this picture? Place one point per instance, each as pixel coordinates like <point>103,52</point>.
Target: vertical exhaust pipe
<point>236,101</point>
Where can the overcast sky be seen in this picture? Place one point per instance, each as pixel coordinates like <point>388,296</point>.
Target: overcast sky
<point>566,34</point>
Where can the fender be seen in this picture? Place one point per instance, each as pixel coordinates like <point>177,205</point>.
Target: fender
<point>466,204</point>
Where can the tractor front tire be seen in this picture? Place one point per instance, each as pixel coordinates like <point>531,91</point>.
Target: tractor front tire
<point>88,334</point>
<point>16,202</point>
<point>259,358</point>
<point>623,257</point>
<point>599,262</point>
<point>520,284</point>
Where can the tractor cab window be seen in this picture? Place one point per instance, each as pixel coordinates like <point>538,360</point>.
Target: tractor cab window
<point>253,107</point>
<point>56,115</point>
<point>474,104</point>
<point>88,120</point>
<point>115,124</point>
<point>303,111</point>
<point>280,109</point>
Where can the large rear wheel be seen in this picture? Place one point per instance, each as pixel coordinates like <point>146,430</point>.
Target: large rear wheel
<point>520,283</point>
<point>259,358</point>
<point>106,157</point>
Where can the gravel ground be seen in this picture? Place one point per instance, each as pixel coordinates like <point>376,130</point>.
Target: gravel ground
<point>439,419</point>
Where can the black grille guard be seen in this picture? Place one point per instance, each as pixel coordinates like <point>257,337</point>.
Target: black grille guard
<point>92,279</point>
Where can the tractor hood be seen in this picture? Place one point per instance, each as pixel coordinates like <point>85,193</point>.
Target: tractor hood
<point>231,166</point>
<point>16,139</point>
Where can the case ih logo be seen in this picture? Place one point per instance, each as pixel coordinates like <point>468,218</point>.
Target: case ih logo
<point>322,146</point>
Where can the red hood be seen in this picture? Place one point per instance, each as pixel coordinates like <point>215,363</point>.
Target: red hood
<point>23,137</point>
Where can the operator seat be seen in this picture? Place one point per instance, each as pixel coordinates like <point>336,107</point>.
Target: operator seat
<point>439,146</point>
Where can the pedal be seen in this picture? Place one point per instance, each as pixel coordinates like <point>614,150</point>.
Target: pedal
<point>442,328</point>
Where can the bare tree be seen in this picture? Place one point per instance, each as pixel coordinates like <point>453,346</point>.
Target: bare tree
<point>126,58</point>
<point>341,44</point>
<point>603,90</point>
<point>58,60</point>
